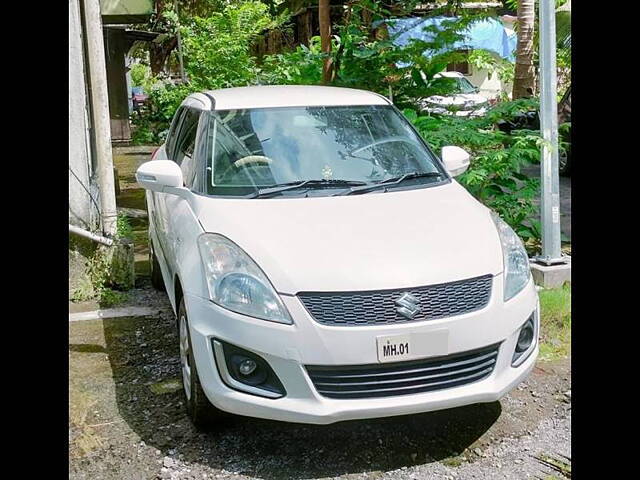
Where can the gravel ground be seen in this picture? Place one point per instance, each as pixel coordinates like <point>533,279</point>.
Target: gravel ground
<point>127,420</point>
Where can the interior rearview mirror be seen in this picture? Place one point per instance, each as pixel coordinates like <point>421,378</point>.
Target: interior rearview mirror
<point>456,160</point>
<point>159,175</point>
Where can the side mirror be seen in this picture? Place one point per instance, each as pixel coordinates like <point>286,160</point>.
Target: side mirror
<point>159,175</point>
<point>456,160</point>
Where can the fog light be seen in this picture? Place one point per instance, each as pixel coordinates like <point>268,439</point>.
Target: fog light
<point>246,371</point>
<point>247,367</point>
<point>526,338</point>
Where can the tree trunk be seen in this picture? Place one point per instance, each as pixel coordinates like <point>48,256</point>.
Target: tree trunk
<point>158,54</point>
<point>525,74</point>
<point>305,30</point>
<point>324,17</point>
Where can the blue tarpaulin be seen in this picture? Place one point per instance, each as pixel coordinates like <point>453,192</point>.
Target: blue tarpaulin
<point>488,34</point>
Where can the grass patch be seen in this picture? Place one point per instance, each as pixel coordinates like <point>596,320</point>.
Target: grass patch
<point>555,319</point>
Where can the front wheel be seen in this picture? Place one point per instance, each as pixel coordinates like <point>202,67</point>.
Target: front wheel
<point>202,414</point>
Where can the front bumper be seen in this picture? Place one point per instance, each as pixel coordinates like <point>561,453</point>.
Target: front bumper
<point>288,348</point>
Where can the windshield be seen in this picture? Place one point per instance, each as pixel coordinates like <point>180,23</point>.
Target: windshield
<point>465,86</point>
<point>335,146</point>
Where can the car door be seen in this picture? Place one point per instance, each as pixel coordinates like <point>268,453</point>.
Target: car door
<point>157,201</point>
<point>180,223</point>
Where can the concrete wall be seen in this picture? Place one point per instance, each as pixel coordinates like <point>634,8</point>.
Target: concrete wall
<point>82,211</point>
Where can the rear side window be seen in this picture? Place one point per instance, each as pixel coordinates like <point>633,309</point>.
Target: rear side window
<point>186,143</point>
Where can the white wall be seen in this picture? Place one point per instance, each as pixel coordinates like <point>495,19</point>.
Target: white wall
<point>82,212</point>
<point>489,84</point>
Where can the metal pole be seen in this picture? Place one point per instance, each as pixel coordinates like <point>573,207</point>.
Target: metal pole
<point>550,202</point>
<point>179,38</point>
<point>100,113</point>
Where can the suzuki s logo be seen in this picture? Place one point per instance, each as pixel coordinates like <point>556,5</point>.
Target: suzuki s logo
<point>407,305</point>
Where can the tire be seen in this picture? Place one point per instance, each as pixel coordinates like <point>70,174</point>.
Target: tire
<point>564,163</point>
<point>202,414</point>
<point>156,273</point>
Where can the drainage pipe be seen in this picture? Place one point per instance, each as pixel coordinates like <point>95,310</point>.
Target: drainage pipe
<point>91,236</point>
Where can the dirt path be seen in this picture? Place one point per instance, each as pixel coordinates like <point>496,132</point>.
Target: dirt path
<point>127,420</point>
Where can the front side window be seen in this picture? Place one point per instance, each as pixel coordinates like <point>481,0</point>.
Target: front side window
<point>465,86</point>
<point>359,145</point>
<point>185,144</point>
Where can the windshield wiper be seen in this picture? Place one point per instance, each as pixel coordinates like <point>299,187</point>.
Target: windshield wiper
<point>283,187</point>
<point>390,181</point>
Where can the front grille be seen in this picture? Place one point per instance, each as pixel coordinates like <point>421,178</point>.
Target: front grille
<point>379,308</point>
<point>403,378</point>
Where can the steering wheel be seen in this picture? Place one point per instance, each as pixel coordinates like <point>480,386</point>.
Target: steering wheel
<point>385,140</point>
<point>249,160</point>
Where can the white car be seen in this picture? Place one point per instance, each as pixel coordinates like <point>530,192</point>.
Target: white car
<point>324,265</point>
<point>466,101</point>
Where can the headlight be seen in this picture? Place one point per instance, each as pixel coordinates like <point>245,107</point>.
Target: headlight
<point>236,283</point>
<point>516,260</point>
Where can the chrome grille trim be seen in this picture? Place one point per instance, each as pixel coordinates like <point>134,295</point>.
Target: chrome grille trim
<point>378,307</point>
<point>403,378</point>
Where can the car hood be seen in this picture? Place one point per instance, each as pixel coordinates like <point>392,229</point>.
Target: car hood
<point>369,241</point>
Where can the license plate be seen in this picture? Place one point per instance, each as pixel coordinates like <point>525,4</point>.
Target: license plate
<point>394,348</point>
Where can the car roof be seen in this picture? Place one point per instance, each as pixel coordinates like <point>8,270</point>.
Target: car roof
<point>283,96</point>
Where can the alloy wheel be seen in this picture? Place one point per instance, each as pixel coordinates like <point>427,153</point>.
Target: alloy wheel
<point>184,357</point>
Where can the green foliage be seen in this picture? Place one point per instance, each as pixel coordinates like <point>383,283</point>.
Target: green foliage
<point>150,126</point>
<point>142,133</point>
<point>217,54</point>
<point>123,227</point>
<point>362,60</point>
<point>494,176</point>
<point>141,76</point>
<point>555,320</point>
<point>94,285</point>
<point>302,66</point>
<point>217,48</point>
<point>109,298</point>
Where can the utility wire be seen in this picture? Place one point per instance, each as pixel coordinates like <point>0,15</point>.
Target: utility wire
<point>86,190</point>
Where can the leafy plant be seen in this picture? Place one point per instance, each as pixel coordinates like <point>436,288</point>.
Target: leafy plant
<point>123,227</point>
<point>94,285</point>
<point>302,66</point>
<point>362,59</point>
<point>217,54</point>
<point>141,76</point>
